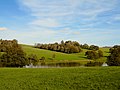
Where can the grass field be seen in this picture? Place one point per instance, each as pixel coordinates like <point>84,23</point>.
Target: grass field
<point>62,56</point>
<point>74,78</point>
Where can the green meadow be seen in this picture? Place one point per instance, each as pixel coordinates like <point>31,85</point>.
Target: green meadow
<point>72,78</point>
<point>78,57</point>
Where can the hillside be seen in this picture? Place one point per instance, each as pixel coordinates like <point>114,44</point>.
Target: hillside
<point>62,56</point>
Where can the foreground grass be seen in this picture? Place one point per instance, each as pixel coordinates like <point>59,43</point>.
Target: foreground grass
<point>78,78</point>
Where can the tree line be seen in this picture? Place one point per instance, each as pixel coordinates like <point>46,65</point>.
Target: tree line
<point>12,54</point>
<point>66,47</point>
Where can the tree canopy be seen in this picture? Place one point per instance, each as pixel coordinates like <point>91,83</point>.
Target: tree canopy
<point>65,47</point>
<point>114,58</point>
<point>13,55</point>
<point>93,54</point>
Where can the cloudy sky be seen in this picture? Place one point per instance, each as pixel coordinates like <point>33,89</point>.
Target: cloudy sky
<point>46,21</point>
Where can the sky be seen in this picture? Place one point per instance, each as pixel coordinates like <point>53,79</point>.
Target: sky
<point>46,21</point>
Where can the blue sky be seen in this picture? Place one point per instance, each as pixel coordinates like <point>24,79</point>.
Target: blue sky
<point>47,21</point>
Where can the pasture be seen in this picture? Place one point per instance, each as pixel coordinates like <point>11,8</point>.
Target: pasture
<point>73,78</point>
<point>78,57</point>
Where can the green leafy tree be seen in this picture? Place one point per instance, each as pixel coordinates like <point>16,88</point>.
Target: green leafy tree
<point>114,58</point>
<point>74,49</point>
<point>62,42</point>
<point>100,53</point>
<point>85,46</point>
<point>33,59</point>
<point>93,47</point>
<point>13,56</point>
<point>92,55</point>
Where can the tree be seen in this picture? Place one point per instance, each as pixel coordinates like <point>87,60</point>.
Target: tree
<point>33,59</point>
<point>93,47</point>
<point>13,55</point>
<point>100,53</point>
<point>74,49</point>
<point>54,47</point>
<point>92,55</point>
<point>62,49</point>
<point>76,43</point>
<point>85,46</point>
<point>114,58</point>
<point>62,42</point>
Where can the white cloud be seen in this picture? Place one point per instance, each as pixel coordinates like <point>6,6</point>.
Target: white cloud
<point>2,28</point>
<point>45,22</point>
<point>46,8</point>
<point>67,7</point>
<point>65,16</point>
<point>51,13</point>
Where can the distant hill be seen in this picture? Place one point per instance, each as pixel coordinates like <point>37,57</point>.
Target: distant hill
<point>58,56</point>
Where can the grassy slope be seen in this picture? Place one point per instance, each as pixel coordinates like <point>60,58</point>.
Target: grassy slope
<point>49,54</point>
<point>61,56</point>
<point>94,78</point>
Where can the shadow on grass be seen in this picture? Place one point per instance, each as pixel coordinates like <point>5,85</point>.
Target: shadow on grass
<point>83,57</point>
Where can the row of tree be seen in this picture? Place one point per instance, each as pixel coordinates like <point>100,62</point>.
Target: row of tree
<point>65,47</point>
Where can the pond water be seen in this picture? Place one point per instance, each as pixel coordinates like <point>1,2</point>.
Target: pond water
<point>54,65</point>
<point>64,64</point>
